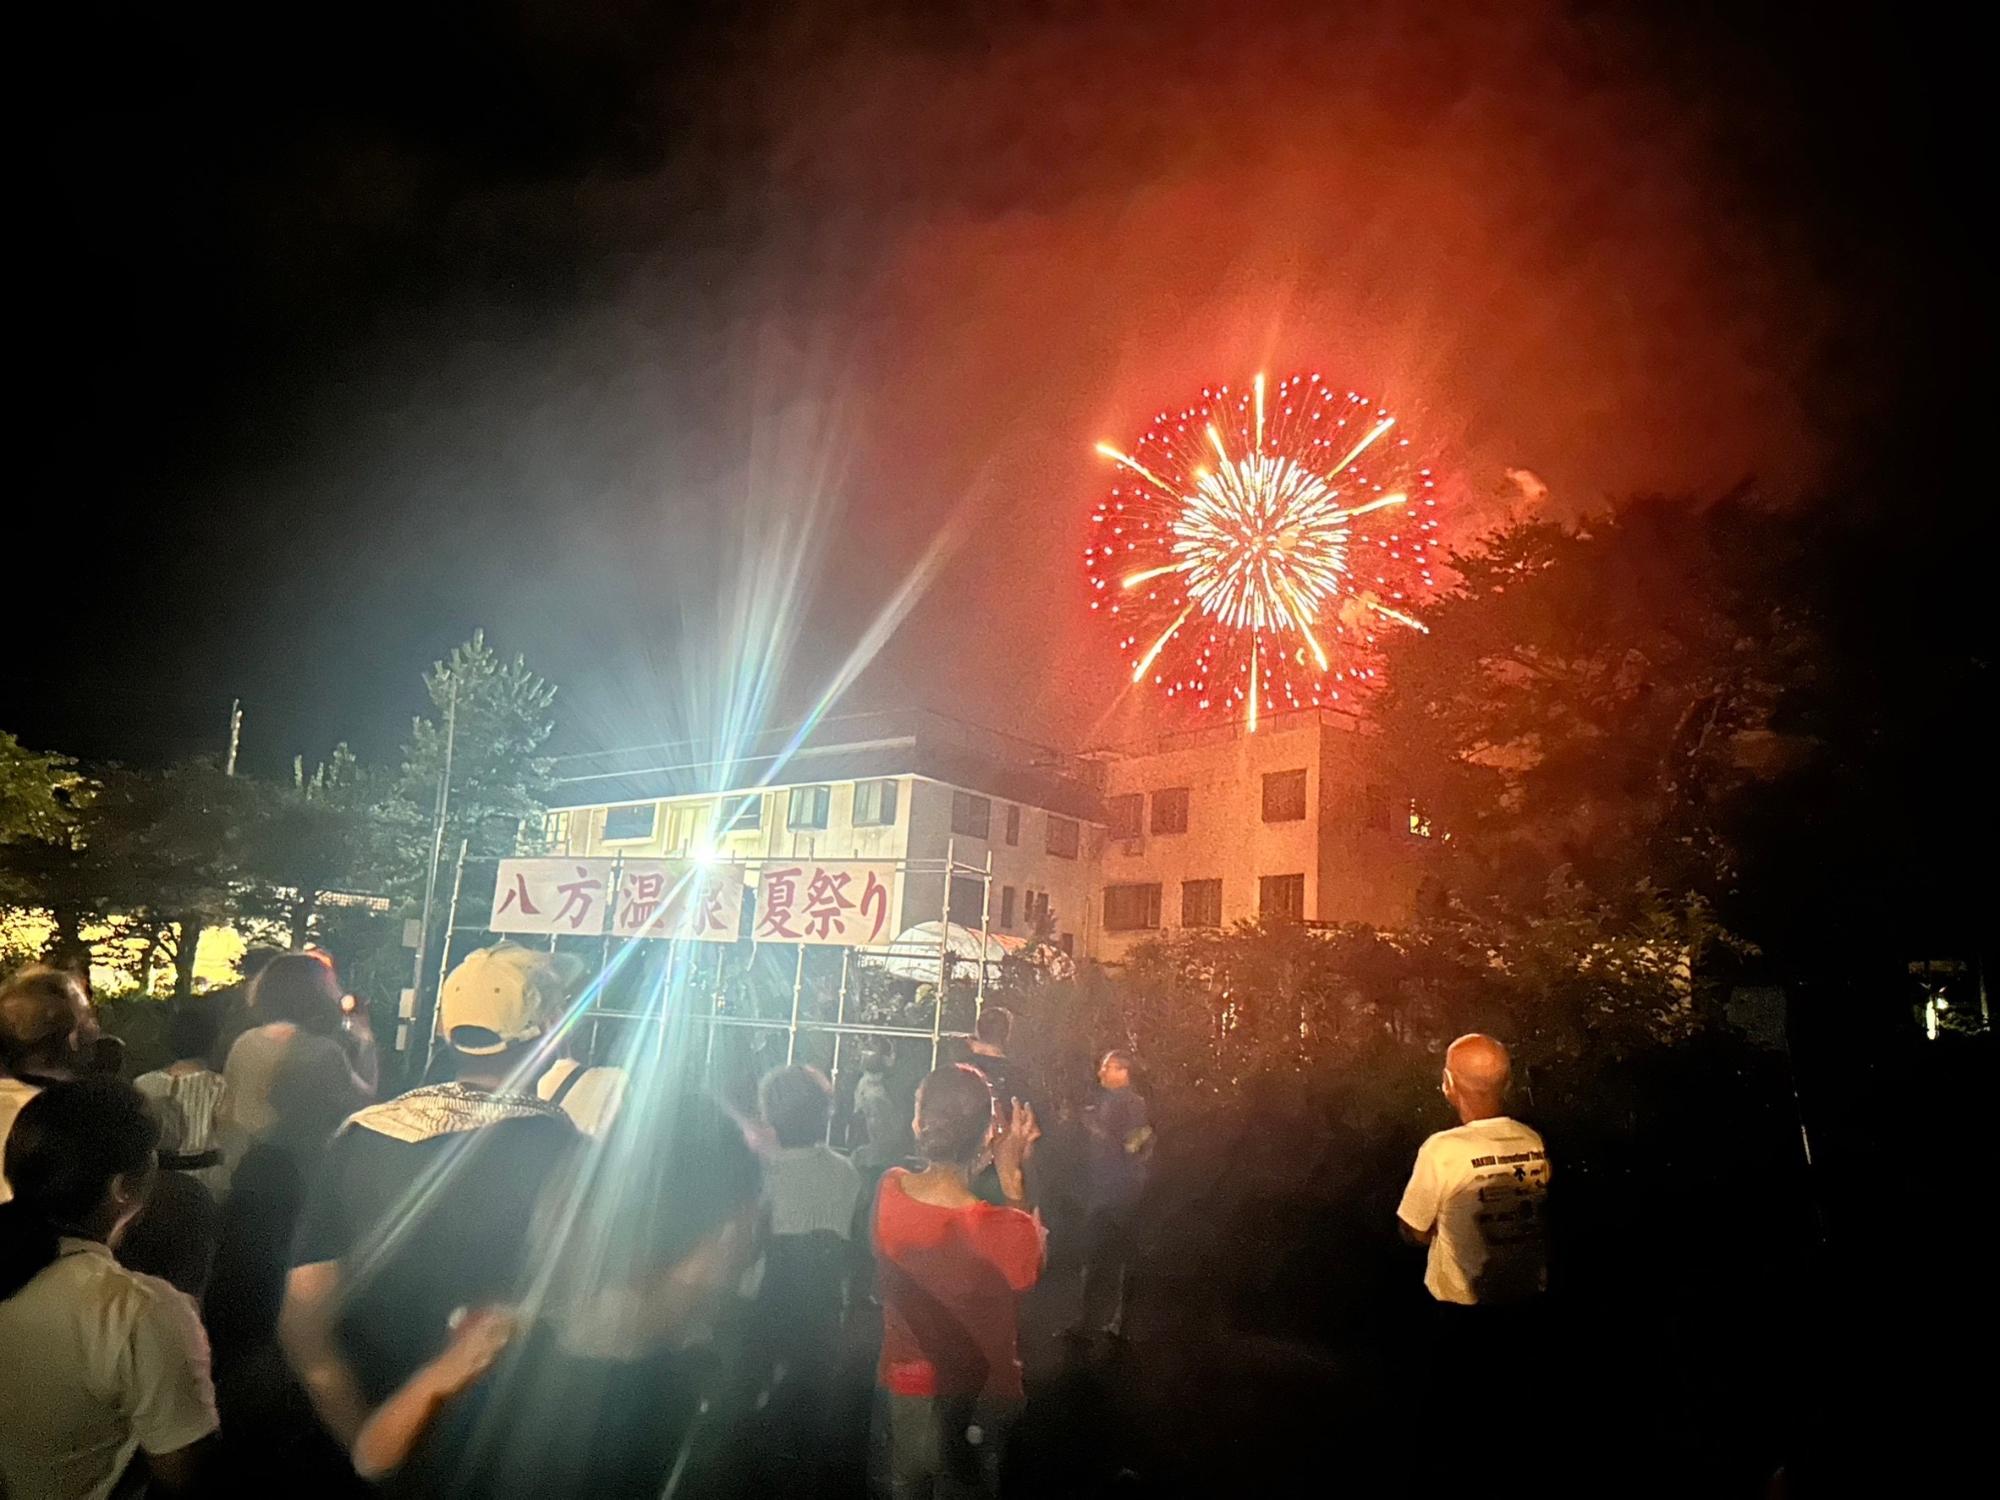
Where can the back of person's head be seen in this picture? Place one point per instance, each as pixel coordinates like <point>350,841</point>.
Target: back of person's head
<point>877,1061</point>
<point>256,960</point>
<point>73,1146</point>
<point>1476,1071</point>
<point>994,1026</point>
<point>652,1199</point>
<point>954,1114</point>
<point>297,987</point>
<point>193,1025</point>
<point>796,1102</point>
<point>41,1011</point>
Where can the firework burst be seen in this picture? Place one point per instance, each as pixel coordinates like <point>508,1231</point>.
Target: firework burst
<point>1257,542</point>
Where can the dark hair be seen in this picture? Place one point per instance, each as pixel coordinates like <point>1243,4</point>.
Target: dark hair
<point>674,1168</point>
<point>795,1101</point>
<point>954,1114</point>
<point>67,1144</point>
<point>299,988</point>
<point>38,1007</point>
<point>994,1026</point>
<point>256,960</point>
<point>878,1059</point>
<point>193,1026</point>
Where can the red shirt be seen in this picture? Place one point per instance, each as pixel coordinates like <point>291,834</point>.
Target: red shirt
<point>950,1280</point>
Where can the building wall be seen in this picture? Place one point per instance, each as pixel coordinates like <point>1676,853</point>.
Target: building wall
<point>1350,873</point>
<point>1023,867</point>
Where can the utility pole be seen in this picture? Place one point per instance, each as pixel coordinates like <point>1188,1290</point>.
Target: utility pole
<point>415,992</point>
<point>235,736</point>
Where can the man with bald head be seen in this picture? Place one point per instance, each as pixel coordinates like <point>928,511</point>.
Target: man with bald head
<point>1478,1199</point>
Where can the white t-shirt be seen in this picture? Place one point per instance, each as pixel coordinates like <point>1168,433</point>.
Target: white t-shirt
<point>592,1101</point>
<point>1483,1191</point>
<point>96,1362</point>
<point>14,1094</point>
<point>811,1188</point>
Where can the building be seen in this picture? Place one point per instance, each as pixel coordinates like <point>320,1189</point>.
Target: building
<point>1211,826</point>
<point>908,786</point>
<point>1196,828</point>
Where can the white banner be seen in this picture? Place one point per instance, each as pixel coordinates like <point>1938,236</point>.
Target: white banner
<point>838,903</point>
<point>665,898</point>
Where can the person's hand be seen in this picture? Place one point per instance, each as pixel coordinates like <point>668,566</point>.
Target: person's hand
<point>475,1344</point>
<point>1013,1146</point>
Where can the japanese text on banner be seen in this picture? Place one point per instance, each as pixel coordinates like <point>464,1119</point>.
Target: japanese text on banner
<point>679,898</point>
<point>551,895</point>
<point>838,903</point>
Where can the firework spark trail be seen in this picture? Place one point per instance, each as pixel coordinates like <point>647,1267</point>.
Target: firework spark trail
<point>1245,536</point>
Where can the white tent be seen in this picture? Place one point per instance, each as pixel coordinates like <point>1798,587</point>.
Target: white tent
<point>914,955</point>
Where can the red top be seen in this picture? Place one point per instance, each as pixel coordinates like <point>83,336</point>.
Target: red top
<point>950,1280</point>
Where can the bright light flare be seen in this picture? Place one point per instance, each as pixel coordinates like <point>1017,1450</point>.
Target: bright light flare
<point>1269,534</point>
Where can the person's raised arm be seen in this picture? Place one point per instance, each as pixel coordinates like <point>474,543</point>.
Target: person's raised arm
<point>391,1433</point>
<point>306,1332</point>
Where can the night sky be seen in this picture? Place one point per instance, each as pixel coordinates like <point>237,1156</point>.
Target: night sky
<point>631,338</point>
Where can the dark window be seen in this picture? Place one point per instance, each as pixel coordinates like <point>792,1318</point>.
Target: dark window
<point>1170,810</point>
<point>1034,909</point>
<point>1284,796</point>
<point>1201,903</point>
<point>1062,837</point>
<point>635,822</point>
<point>1006,906</point>
<point>970,815</point>
<point>1375,801</point>
<point>809,806</point>
<point>1127,814</point>
<point>1013,824</point>
<point>1067,942</point>
<point>1281,897</point>
<point>739,813</point>
<point>967,900</point>
<point>555,833</point>
<point>874,803</point>
<point>1128,908</point>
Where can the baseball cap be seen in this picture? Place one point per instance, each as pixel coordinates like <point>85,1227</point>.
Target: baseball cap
<point>505,994</point>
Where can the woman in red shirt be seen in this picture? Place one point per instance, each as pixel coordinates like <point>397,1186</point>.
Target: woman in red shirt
<point>951,1270</point>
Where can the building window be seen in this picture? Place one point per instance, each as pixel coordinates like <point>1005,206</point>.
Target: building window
<point>874,803</point>
<point>1013,824</point>
<point>968,902</point>
<point>625,824</point>
<point>1170,810</point>
<point>970,815</point>
<point>1067,942</point>
<point>809,806</point>
<point>738,814</point>
<point>1281,898</point>
<point>1126,815</point>
<point>555,832</point>
<point>1062,837</point>
<point>1007,906</point>
<point>1285,796</point>
<point>1035,909</point>
<point>1375,803</point>
<point>1201,903</point>
<point>1128,908</point>
<point>681,826</point>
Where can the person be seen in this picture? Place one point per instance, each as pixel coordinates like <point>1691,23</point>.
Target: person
<point>291,1078</point>
<point>951,1270</point>
<point>97,1363</point>
<point>600,1382</point>
<point>232,1002</point>
<point>589,1090</point>
<point>885,1125</point>
<point>1477,1199</point>
<point>810,1188</point>
<point>187,1093</point>
<point>423,1202</point>
<point>1007,1076</point>
<point>48,1034</point>
<point>1120,1152</point>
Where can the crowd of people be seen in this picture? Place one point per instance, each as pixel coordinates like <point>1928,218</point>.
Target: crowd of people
<point>244,1273</point>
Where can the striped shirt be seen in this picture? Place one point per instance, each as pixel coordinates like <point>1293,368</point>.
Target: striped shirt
<point>187,1104</point>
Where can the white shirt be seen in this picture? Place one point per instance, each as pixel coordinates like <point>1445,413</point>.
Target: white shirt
<point>592,1101</point>
<point>187,1103</point>
<point>13,1095</point>
<point>96,1362</point>
<point>811,1188</point>
<point>1483,1189</point>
